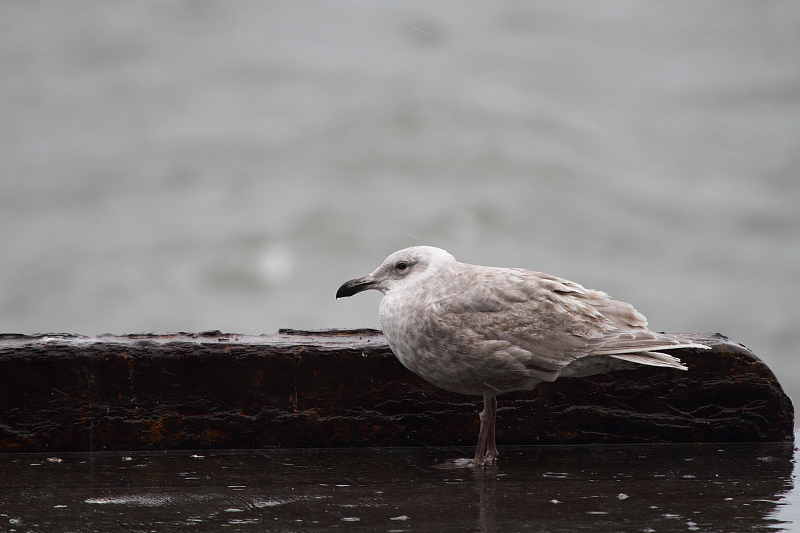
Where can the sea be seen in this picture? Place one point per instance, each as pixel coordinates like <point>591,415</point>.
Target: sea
<point>202,165</point>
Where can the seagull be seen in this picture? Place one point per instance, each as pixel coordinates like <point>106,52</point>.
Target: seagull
<point>485,331</point>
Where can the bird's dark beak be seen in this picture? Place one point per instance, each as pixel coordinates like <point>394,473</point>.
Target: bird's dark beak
<point>354,286</point>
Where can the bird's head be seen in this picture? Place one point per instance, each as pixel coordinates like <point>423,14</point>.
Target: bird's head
<point>403,268</point>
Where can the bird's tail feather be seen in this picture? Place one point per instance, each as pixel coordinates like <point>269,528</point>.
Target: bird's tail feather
<point>652,359</point>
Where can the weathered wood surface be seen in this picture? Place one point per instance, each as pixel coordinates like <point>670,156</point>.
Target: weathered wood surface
<point>62,392</point>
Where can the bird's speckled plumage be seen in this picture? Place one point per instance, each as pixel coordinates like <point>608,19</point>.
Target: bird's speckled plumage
<point>486,330</point>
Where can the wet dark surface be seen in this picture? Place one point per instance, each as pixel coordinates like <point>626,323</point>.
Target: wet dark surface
<point>336,388</point>
<point>650,488</point>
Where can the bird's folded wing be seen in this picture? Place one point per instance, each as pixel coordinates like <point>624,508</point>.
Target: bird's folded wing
<point>546,323</point>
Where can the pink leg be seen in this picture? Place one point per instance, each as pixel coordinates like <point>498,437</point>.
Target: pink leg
<point>486,435</point>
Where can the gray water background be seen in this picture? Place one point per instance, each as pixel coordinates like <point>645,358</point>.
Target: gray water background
<point>227,165</point>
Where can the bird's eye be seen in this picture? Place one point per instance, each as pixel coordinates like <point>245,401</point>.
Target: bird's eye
<point>402,265</point>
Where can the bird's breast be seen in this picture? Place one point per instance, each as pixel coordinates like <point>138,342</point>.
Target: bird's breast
<point>439,356</point>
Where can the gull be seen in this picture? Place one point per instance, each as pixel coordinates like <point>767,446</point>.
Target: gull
<point>485,331</point>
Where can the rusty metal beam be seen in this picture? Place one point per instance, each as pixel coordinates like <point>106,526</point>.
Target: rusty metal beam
<point>61,392</point>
